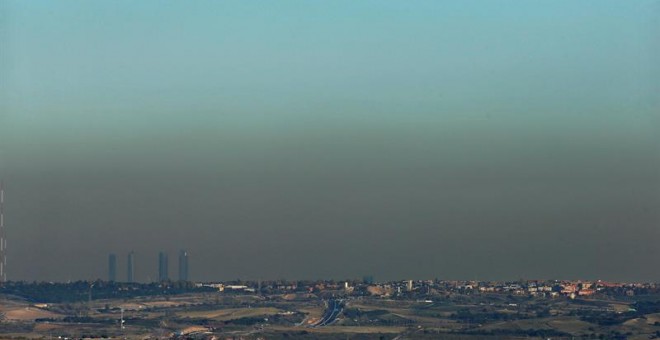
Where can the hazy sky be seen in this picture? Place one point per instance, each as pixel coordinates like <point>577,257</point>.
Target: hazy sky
<point>332,139</point>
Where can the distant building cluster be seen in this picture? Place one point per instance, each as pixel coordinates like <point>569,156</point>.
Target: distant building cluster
<point>423,290</point>
<point>532,288</point>
<point>163,267</point>
<point>428,290</point>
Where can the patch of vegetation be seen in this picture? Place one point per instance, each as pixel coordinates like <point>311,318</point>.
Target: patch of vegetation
<point>543,333</point>
<point>638,310</point>
<point>466,315</point>
<point>80,290</point>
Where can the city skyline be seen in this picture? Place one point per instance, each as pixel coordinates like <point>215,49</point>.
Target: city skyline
<point>163,268</point>
<point>424,169</point>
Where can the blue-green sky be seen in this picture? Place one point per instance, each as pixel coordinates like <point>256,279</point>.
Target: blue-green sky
<point>308,139</point>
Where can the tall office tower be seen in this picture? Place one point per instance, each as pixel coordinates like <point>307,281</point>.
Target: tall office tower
<point>183,265</point>
<point>112,268</point>
<point>163,275</point>
<point>130,267</point>
<point>368,279</point>
<point>3,238</point>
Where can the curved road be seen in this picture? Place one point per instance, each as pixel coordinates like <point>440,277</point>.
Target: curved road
<point>335,308</point>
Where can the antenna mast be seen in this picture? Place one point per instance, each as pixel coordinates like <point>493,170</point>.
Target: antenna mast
<point>3,238</point>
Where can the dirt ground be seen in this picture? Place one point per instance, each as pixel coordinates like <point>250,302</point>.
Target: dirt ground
<point>231,313</point>
<point>28,314</point>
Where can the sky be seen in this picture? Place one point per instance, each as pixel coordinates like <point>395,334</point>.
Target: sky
<point>482,140</point>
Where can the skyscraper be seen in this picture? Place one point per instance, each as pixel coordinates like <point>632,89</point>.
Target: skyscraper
<point>163,274</point>
<point>130,269</point>
<point>183,265</point>
<point>112,267</point>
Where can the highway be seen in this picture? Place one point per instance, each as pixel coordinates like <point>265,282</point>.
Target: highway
<point>335,308</point>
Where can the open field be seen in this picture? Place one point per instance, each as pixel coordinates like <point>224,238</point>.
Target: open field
<point>28,314</point>
<point>231,313</point>
<point>564,324</point>
<point>344,329</point>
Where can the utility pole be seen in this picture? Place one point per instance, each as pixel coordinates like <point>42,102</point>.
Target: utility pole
<point>121,320</point>
<point>89,302</point>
